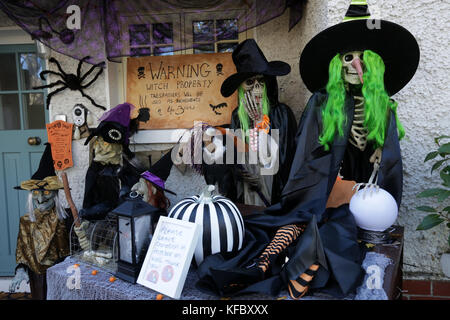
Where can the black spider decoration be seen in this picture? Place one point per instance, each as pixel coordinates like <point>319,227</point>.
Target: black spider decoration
<point>71,81</point>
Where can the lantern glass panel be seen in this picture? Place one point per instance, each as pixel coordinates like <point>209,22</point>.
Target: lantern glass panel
<point>142,233</point>
<point>125,239</point>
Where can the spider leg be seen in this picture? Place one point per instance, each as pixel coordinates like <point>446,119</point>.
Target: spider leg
<point>50,85</point>
<point>41,75</point>
<point>79,66</point>
<point>49,96</point>
<point>92,100</point>
<point>93,79</point>
<point>89,72</point>
<point>58,65</point>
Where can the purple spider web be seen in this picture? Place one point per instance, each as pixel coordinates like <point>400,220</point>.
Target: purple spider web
<point>111,29</point>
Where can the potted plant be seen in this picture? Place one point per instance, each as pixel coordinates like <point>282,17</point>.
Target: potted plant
<point>440,213</point>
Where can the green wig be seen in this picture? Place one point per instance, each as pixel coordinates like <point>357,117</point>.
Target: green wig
<point>377,103</point>
<point>242,113</point>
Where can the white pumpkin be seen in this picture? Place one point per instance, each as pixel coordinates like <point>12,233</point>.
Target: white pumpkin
<point>223,226</point>
<point>374,210</point>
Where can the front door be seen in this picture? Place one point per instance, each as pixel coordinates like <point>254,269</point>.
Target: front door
<point>23,115</point>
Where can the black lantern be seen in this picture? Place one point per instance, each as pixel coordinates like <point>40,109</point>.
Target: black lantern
<point>135,220</point>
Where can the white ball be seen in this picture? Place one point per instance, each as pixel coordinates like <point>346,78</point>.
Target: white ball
<point>374,210</point>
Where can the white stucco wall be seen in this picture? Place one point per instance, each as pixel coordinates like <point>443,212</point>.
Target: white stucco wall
<point>63,103</point>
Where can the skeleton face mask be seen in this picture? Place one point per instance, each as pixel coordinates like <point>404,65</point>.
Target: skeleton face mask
<point>43,200</point>
<point>254,88</point>
<point>352,67</point>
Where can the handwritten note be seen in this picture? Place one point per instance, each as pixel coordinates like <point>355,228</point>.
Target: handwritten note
<point>181,89</point>
<point>169,256</point>
<point>60,138</point>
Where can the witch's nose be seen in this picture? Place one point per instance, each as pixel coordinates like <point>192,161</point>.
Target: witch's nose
<point>356,63</point>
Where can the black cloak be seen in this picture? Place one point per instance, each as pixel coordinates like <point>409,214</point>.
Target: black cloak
<point>331,235</point>
<point>283,119</point>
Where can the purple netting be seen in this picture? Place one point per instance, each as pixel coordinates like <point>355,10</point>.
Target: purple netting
<point>112,29</point>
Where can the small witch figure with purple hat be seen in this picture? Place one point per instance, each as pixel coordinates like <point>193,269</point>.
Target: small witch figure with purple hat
<point>152,188</point>
<point>103,178</point>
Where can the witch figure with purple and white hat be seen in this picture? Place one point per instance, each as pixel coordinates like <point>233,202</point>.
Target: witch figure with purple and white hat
<point>105,176</point>
<point>151,187</point>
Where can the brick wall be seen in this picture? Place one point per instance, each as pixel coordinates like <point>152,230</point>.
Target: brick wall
<point>426,290</point>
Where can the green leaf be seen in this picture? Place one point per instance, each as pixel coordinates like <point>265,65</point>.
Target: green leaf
<point>446,209</point>
<point>437,164</point>
<point>430,221</point>
<point>443,195</point>
<point>445,176</point>
<point>431,155</point>
<point>445,148</point>
<point>436,140</point>
<point>426,209</point>
<point>430,193</point>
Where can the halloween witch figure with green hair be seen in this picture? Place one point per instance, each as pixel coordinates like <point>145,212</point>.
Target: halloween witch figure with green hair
<point>349,132</point>
<point>258,116</point>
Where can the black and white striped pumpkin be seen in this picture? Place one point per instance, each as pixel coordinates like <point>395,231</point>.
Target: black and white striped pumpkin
<point>223,226</point>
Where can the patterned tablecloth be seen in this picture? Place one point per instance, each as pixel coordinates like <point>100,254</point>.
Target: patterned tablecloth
<point>64,283</point>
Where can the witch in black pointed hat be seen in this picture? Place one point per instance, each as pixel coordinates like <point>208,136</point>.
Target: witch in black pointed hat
<point>259,110</point>
<point>349,129</point>
<point>44,217</point>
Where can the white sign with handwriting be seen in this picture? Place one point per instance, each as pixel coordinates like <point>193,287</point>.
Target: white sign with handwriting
<point>169,256</point>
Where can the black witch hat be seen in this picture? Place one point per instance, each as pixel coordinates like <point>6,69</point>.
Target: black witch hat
<point>45,177</point>
<point>250,61</point>
<point>397,47</point>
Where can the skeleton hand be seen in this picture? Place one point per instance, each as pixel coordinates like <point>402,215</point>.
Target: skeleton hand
<point>254,108</point>
<point>371,186</point>
<point>368,188</point>
<point>376,156</point>
<point>21,275</point>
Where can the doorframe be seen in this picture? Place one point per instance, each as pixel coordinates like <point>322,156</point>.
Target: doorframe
<point>12,38</point>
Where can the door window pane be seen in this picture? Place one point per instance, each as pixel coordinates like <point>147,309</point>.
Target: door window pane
<point>34,110</point>
<point>8,74</point>
<point>203,31</point>
<point>30,67</point>
<point>227,29</point>
<point>9,112</point>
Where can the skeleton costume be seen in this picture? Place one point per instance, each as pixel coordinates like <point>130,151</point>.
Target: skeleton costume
<point>260,112</point>
<point>321,241</point>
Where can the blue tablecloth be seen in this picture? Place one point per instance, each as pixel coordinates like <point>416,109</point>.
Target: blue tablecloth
<point>63,284</point>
